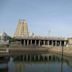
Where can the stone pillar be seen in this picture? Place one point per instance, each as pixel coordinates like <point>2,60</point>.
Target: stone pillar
<point>35,43</point>
<point>52,43</point>
<point>60,43</point>
<point>24,42</point>
<point>64,43</point>
<point>48,43</point>
<point>55,43</point>
<point>31,43</point>
<point>44,42</point>
<point>39,42</point>
<point>27,42</point>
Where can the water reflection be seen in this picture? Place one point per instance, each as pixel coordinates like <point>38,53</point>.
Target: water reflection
<point>45,63</point>
<point>3,67</point>
<point>4,70</point>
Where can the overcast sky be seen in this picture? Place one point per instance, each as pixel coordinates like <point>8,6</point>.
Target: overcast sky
<point>45,17</point>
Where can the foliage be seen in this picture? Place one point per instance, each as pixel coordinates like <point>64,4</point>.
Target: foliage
<point>11,39</point>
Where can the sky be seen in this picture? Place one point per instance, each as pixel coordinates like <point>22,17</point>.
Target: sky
<point>44,17</point>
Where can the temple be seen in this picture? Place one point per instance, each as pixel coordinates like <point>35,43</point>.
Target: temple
<point>23,36</point>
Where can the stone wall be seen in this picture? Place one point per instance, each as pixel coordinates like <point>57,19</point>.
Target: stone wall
<point>70,42</point>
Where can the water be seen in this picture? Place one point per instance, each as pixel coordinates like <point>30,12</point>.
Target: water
<point>54,64</point>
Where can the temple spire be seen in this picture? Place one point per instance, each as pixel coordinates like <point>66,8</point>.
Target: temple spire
<point>22,28</point>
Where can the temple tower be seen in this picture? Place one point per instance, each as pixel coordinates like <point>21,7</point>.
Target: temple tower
<point>22,29</point>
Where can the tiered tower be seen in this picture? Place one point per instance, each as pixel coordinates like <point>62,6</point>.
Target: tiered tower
<point>22,29</point>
